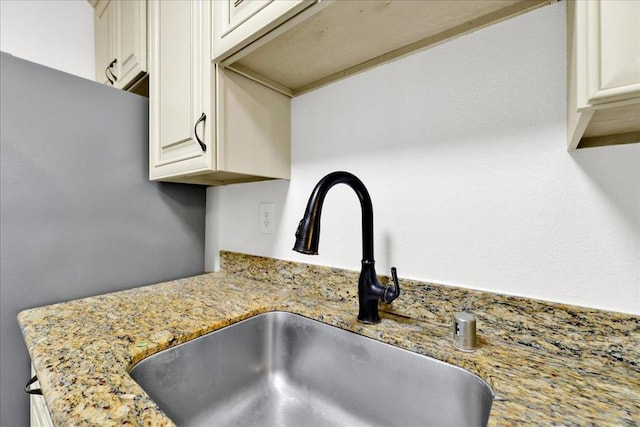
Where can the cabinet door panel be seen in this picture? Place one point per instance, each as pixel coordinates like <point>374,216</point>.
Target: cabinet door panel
<point>239,11</point>
<point>613,50</point>
<point>176,106</point>
<point>38,411</point>
<point>603,41</point>
<point>179,88</point>
<point>131,41</point>
<point>104,21</point>
<point>239,22</point>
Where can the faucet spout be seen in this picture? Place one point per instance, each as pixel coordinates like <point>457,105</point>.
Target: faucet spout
<point>370,291</point>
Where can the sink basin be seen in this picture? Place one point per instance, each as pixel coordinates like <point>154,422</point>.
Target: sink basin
<point>281,369</point>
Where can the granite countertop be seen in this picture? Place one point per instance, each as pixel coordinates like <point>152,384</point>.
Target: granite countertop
<point>548,363</point>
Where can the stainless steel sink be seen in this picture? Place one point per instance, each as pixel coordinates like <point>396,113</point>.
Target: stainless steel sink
<point>281,369</point>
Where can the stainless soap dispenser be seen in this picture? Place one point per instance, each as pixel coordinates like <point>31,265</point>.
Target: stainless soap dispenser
<point>464,331</point>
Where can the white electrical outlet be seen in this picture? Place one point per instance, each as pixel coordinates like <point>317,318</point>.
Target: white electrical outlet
<point>266,218</point>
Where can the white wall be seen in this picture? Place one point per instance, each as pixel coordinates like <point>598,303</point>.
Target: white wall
<point>462,148</point>
<point>55,33</point>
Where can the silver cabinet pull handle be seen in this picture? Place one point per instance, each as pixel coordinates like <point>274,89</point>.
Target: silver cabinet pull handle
<point>29,390</point>
<point>202,118</point>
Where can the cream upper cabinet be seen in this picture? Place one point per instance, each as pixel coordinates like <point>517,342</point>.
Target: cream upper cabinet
<point>208,125</point>
<point>239,22</point>
<point>604,72</point>
<point>121,41</point>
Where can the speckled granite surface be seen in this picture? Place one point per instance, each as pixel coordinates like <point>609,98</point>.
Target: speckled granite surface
<point>549,364</point>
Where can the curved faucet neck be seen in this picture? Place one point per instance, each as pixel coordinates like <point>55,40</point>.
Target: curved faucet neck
<point>314,211</point>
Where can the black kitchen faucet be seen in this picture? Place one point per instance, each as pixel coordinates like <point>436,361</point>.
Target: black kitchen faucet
<point>370,290</point>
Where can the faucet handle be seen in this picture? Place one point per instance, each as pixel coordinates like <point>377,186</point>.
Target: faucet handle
<point>391,293</point>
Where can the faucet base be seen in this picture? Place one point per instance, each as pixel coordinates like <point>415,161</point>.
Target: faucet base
<point>368,321</point>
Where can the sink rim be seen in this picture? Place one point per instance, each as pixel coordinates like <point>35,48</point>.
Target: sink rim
<point>278,312</point>
<point>280,317</point>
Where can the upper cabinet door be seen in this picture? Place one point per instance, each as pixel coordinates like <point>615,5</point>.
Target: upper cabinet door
<point>613,50</point>
<point>603,41</point>
<point>121,41</point>
<point>104,22</point>
<point>180,115</point>
<point>239,22</point>
<point>131,41</point>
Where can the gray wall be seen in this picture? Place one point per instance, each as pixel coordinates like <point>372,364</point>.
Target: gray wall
<point>78,214</point>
